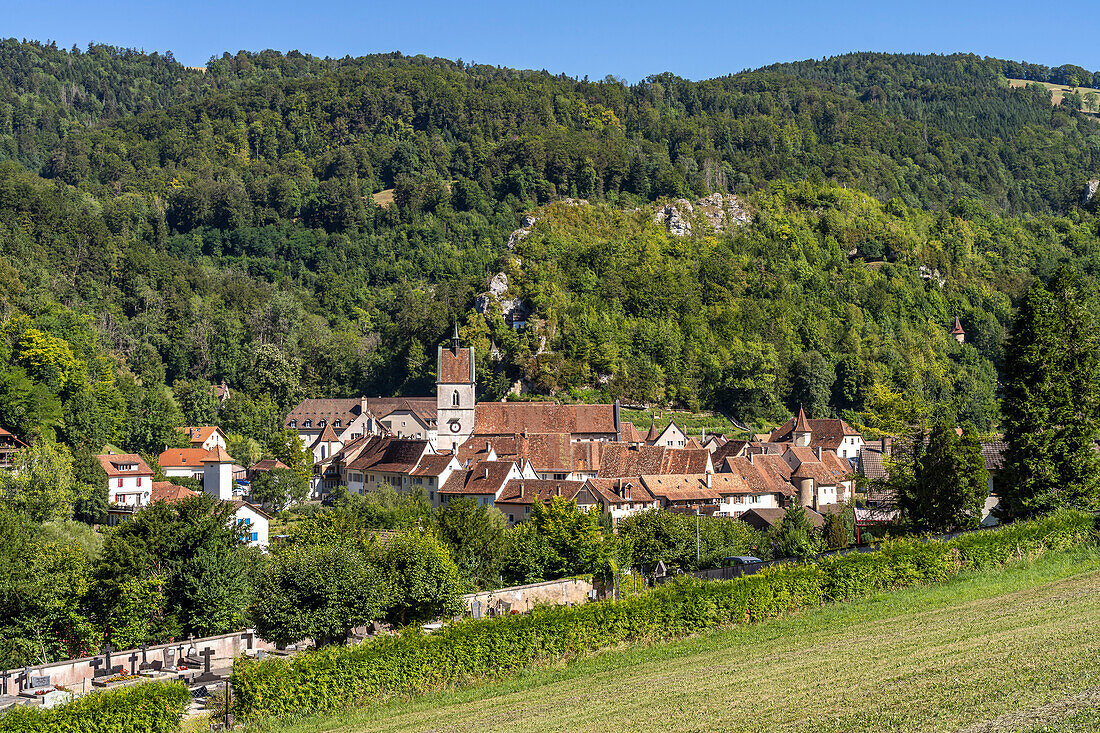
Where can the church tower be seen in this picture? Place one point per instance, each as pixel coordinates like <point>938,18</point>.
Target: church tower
<point>802,434</point>
<point>454,394</point>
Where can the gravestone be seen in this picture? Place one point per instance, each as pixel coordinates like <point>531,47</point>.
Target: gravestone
<point>132,659</point>
<point>191,659</point>
<point>169,663</point>
<point>475,609</point>
<point>207,675</point>
<point>36,685</point>
<point>145,665</point>
<point>108,668</point>
<point>4,675</point>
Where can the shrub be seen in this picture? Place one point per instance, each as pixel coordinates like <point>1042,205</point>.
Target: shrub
<point>149,707</point>
<point>471,650</point>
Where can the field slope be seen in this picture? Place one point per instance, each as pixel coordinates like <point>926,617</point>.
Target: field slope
<point>1007,651</point>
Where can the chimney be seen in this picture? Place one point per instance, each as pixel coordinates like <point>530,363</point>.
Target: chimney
<point>708,480</point>
<point>819,452</point>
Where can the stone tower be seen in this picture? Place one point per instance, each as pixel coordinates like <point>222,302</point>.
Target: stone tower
<point>802,434</point>
<point>958,332</point>
<point>454,394</point>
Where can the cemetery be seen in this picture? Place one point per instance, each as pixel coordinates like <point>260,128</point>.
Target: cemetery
<point>203,665</point>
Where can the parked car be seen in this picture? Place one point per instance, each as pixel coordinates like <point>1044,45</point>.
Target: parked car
<point>738,560</point>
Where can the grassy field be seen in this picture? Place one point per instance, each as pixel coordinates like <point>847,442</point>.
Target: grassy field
<point>690,422</point>
<point>1015,650</point>
<point>1057,91</point>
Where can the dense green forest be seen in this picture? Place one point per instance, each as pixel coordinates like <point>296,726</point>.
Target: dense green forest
<point>165,228</point>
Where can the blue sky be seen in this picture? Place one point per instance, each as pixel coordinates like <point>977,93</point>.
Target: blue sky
<point>628,39</point>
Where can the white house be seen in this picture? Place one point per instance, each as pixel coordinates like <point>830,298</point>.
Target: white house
<point>205,437</point>
<point>254,522</point>
<point>183,462</point>
<point>129,483</point>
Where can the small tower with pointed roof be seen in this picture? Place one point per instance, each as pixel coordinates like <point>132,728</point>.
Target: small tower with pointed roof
<point>802,432</point>
<point>958,332</point>
<point>217,474</point>
<point>454,393</point>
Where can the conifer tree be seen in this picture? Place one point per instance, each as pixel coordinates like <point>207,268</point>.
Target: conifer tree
<point>1050,403</point>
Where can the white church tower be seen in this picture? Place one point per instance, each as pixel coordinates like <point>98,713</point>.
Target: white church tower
<point>454,394</point>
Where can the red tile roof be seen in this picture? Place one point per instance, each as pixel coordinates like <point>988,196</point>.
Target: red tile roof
<point>622,460</point>
<point>630,434</point>
<point>621,490</point>
<point>198,435</point>
<point>434,465</point>
<point>111,462</point>
<point>168,492</point>
<point>182,458</point>
<point>765,518</point>
<point>217,454</point>
<point>456,367</point>
<point>7,438</point>
<point>527,491</point>
<point>827,433</point>
<point>487,477</point>
<point>347,409</point>
<point>513,418</point>
<point>392,455</point>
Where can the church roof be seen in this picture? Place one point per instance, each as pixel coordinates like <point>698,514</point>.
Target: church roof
<point>958,329</point>
<point>512,418</point>
<point>456,366</point>
<point>801,425</point>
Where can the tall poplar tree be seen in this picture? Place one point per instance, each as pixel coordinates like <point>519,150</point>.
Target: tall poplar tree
<point>1050,403</point>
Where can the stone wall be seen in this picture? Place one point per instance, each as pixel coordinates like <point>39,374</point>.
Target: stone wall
<point>77,674</point>
<point>525,597</point>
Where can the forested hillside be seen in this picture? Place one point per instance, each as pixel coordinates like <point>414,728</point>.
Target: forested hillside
<point>164,228</point>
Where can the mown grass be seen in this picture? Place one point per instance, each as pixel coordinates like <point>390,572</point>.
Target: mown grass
<point>962,655</point>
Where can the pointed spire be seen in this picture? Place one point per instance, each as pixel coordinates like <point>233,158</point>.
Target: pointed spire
<point>801,425</point>
<point>958,327</point>
<point>455,339</point>
<point>653,433</point>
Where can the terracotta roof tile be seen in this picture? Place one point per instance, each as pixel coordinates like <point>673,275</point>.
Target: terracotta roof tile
<point>622,460</point>
<point>168,492</point>
<point>393,455</point>
<point>512,418</point>
<point>434,465</point>
<point>456,368</point>
<point>111,462</point>
<point>182,458</point>
<point>527,491</point>
<point>487,478</point>
<point>827,432</point>
<point>198,435</point>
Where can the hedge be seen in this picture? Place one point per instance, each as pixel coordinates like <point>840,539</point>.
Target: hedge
<point>472,650</point>
<point>148,707</point>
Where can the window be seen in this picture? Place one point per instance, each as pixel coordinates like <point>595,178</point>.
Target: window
<point>120,483</point>
<point>559,476</point>
<point>454,398</point>
<point>323,453</point>
<point>293,423</point>
<point>431,495</point>
<point>511,519</point>
<point>139,481</point>
<point>336,423</point>
<point>254,537</point>
<point>309,423</point>
<point>322,423</point>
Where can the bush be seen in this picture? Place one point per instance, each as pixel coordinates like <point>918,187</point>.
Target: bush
<point>149,707</point>
<point>472,650</point>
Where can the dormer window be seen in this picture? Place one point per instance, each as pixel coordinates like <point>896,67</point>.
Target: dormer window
<point>336,423</point>
<point>322,423</point>
<point>309,423</point>
<point>293,423</point>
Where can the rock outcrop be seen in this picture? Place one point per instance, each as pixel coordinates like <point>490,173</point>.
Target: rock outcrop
<point>514,311</point>
<point>717,210</point>
<point>1091,187</point>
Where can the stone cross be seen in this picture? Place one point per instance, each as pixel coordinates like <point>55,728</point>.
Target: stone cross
<point>4,675</point>
<point>107,651</point>
<point>132,659</point>
<point>206,654</point>
<point>95,664</point>
<point>26,678</point>
<point>144,657</point>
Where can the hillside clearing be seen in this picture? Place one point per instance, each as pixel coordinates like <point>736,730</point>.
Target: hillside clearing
<point>1012,650</point>
<point>1057,91</point>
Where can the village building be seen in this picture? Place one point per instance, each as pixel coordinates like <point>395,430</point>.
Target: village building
<point>820,476</point>
<point>129,484</point>
<point>326,444</point>
<point>483,483</point>
<point>829,434</point>
<point>386,461</point>
<point>205,437</point>
<point>9,444</point>
<point>623,497</point>
<point>217,475</point>
<point>431,473</point>
<point>455,394</point>
<point>957,332</point>
<point>619,460</point>
<point>518,496</point>
<point>254,523</point>
<point>169,493</point>
<point>770,519</point>
<point>356,417</point>
<point>183,462</point>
